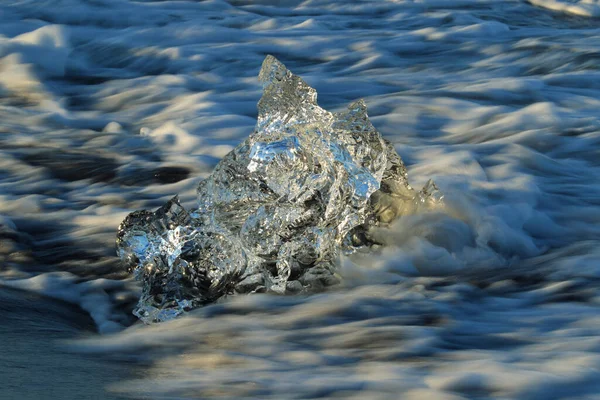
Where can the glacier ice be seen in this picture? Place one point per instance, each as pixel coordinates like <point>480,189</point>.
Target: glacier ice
<point>277,210</point>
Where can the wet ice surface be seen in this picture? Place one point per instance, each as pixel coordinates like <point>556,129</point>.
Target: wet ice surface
<point>113,106</point>
<point>277,210</point>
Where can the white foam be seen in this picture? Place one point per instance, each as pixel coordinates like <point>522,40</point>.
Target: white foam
<point>584,8</point>
<point>90,296</point>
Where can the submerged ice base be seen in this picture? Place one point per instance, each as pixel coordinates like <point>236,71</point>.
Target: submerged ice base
<point>276,211</point>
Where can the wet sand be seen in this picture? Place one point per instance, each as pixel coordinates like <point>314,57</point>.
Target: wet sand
<point>35,361</point>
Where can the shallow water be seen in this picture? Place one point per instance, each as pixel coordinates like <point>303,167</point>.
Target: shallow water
<point>37,362</point>
<point>109,106</point>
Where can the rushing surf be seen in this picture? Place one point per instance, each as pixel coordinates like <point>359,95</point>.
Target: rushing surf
<point>112,106</point>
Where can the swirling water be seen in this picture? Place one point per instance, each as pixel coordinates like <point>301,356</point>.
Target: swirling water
<point>110,106</point>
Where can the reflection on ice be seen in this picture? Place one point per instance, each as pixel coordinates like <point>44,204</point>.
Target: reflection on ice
<point>276,211</point>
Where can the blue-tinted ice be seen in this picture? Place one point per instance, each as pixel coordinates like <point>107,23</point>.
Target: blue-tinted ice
<point>276,211</point>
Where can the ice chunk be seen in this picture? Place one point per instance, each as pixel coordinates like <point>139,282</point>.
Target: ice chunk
<point>276,211</point>
<point>181,265</point>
